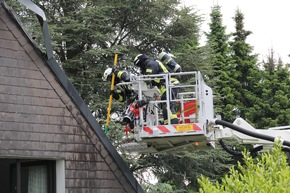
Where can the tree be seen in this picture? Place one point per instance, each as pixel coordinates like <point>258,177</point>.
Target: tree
<point>271,63</point>
<point>87,34</point>
<point>273,107</point>
<point>180,170</point>
<point>269,173</point>
<point>221,76</point>
<point>244,71</point>
<point>187,49</point>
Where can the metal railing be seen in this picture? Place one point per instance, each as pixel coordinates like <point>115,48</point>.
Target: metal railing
<point>192,88</point>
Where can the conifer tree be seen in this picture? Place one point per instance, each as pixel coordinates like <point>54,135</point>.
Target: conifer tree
<point>245,72</point>
<point>221,77</point>
<point>274,105</point>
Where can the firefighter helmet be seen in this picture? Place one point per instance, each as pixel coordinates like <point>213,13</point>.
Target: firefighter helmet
<point>139,59</point>
<point>107,74</point>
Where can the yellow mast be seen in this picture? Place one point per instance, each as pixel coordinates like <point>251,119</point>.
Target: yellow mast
<point>111,96</point>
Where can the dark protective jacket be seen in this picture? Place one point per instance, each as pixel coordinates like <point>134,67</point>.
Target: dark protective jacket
<point>152,66</point>
<point>172,65</point>
<point>122,76</point>
<point>122,92</point>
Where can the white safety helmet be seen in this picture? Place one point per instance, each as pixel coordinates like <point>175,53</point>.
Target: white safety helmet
<point>107,73</point>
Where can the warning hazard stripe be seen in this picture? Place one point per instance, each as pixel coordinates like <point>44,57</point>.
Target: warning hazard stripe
<point>162,128</point>
<point>148,130</point>
<point>173,128</point>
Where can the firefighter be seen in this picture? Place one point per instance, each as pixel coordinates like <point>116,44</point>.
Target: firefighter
<point>167,60</point>
<point>153,66</point>
<point>121,93</point>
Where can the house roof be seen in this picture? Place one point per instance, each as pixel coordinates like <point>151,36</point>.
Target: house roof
<point>62,79</point>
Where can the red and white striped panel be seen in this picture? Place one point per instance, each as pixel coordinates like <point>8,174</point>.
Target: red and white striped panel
<point>173,128</point>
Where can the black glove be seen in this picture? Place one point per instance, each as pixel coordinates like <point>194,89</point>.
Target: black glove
<point>115,70</point>
<point>141,103</point>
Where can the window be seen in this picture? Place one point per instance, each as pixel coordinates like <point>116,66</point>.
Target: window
<point>27,176</point>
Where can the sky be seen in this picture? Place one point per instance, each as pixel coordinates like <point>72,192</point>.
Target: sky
<point>267,19</point>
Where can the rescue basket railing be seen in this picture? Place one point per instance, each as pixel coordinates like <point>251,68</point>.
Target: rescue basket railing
<point>191,99</point>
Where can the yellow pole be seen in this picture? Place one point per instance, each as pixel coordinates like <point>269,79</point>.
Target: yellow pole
<point>111,96</point>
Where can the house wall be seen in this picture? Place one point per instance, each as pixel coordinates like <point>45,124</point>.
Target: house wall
<point>38,119</point>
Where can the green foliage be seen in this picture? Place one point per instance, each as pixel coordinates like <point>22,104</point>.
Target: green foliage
<point>159,188</point>
<point>244,70</point>
<point>270,174</point>
<point>181,169</point>
<point>220,77</point>
<point>87,34</point>
<point>272,106</point>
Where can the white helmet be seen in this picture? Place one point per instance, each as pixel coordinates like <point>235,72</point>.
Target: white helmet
<point>107,73</point>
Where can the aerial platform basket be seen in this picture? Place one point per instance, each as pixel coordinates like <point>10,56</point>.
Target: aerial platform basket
<point>194,108</point>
